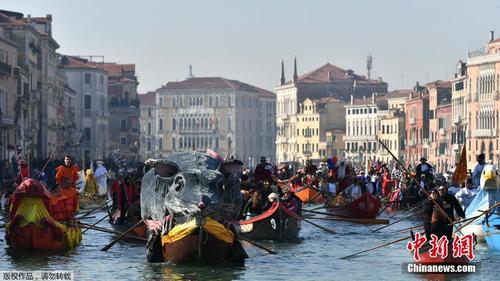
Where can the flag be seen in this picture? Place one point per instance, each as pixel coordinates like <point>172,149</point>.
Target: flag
<point>460,174</point>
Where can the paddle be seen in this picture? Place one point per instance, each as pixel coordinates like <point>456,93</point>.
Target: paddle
<point>417,205</point>
<point>383,210</point>
<point>344,218</point>
<point>396,221</point>
<point>409,228</point>
<point>121,236</point>
<point>257,245</point>
<point>377,247</point>
<point>297,217</point>
<point>360,221</point>
<point>93,210</point>
<point>94,224</point>
<point>105,230</point>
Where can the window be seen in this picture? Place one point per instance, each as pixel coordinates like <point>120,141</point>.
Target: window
<point>174,101</point>
<point>160,124</point>
<point>86,134</point>
<point>173,124</point>
<point>87,78</point>
<point>160,143</point>
<point>123,124</point>
<point>87,102</point>
<point>173,143</point>
<point>123,140</point>
<point>161,101</point>
<point>149,111</point>
<point>229,122</point>
<point>216,142</point>
<point>149,145</point>
<point>149,128</point>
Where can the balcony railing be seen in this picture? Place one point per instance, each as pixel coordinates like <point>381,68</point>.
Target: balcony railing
<point>442,131</point>
<point>485,133</point>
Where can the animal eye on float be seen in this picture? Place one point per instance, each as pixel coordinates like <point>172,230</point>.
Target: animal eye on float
<point>179,183</point>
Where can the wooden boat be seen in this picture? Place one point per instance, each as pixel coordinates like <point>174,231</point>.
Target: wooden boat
<point>33,226</point>
<point>201,240</point>
<point>277,223</point>
<point>308,194</point>
<point>89,202</point>
<point>139,231</point>
<point>366,206</point>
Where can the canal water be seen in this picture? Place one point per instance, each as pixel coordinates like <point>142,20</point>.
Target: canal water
<point>315,257</point>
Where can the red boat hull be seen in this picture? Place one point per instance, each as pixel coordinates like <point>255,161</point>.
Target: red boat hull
<point>366,207</point>
<point>425,256</point>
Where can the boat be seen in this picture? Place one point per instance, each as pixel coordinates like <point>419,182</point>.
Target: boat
<point>277,224</point>
<point>201,193</point>
<point>491,230</point>
<point>126,224</point>
<point>487,196</point>
<point>308,194</point>
<point>32,224</point>
<point>366,206</point>
<point>90,202</point>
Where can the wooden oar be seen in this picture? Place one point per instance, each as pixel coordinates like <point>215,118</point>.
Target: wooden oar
<point>417,205</point>
<point>94,224</point>
<point>93,210</point>
<point>409,228</point>
<point>397,221</point>
<point>377,247</point>
<point>96,228</point>
<point>383,210</point>
<point>356,220</point>
<point>257,245</point>
<point>297,217</point>
<point>360,221</point>
<point>121,236</point>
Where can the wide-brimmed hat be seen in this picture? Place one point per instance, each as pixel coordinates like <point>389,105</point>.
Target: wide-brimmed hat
<point>99,162</point>
<point>423,159</point>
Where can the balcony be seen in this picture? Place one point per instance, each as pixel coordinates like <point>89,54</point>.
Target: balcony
<point>412,121</point>
<point>412,143</point>
<point>425,142</point>
<point>456,120</point>
<point>5,69</point>
<point>485,133</point>
<point>442,132</point>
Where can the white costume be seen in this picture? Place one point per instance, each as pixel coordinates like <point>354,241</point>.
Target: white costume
<point>101,176</point>
<point>465,196</point>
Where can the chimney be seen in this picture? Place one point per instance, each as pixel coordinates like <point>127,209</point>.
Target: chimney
<point>352,99</point>
<point>411,95</point>
<point>373,98</point>
<point>364,97</point>
<point>190,72</point>
<point>492,35</point>
<point>295,76</point>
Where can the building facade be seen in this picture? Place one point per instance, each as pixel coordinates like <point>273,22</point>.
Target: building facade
<point>216,113</point>
<point>148,122</point>
<point>417,128</point>
<point>459,111</point>
<point>314,119</point>
<point>443,152</point>
<point>91,107</point>
<point>439,93</point>
<point>483,72</point>
<point>391,131</point>
<point>362,123</point>
<point>124,112</point>
<point>326,81</point>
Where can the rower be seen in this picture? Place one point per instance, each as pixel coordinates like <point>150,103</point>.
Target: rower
<point>439,222</point>
<point>478,170</point>
<point>466,194</point>
<point>291,201</point>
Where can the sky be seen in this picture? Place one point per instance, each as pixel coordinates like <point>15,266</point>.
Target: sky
<point>410,40</point>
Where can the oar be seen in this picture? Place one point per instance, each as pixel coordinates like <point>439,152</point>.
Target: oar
<point>96,228</point>
<point>257,245</point>
<point>121,236</point>
<point>344,218</point>
<point>397,221</point>
<point>360,221</point>
<point>377,247</point>
<point>297,217</point>
<point>93,210</point>
<point>409,228</point>
<point>417,205</point>
<point>94,224</point>
<point>383,210</point>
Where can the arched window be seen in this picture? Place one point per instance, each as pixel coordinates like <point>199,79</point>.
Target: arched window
<point>173,124</point>
<point>160,125</point>
<point>181,144</point>
<point>149,128</point>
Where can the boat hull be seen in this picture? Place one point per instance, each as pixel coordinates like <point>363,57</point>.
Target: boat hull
<point>425,257</point>
<point>308,195</point>
<point>491,229</point>
<point>275,224</point>
<point>366,206</point>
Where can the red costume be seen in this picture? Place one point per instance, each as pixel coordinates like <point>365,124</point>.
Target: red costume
<point>263,172</point>
<point>386,183</point>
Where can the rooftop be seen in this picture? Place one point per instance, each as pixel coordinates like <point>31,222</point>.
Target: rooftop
<point>148,98</point>
<point>400,94</point>
<point>219,83</point>
<point>329,72</point>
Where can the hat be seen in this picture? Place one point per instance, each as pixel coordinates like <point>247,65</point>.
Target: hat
<point>99,162</point>
<point>263,158</point>
<point>423,159</point>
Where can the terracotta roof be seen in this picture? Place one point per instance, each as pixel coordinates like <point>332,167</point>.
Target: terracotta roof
<point>495,41</point>
<point>114,69</point>
<point>368,100</point>
<point>439,84</point>
<point>400,94</point>
<point>75,62</point>
<point>328,100</point>
<point>218,83</point>
<point>329,72</point>
<point>148,98</point>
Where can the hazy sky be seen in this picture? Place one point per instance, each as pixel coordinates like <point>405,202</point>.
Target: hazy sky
<point>246,40</point>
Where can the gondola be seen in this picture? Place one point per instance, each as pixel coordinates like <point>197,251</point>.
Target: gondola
<point>32,223</point>
<point>277,224</point>
<point>366,206</point>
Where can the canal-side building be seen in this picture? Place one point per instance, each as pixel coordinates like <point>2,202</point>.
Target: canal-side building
<point>148,125</point>
<point>325,81</point>
<point>228,116</point>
